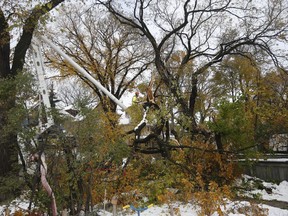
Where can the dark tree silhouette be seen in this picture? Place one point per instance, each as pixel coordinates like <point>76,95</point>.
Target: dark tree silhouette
<point>12,63</point>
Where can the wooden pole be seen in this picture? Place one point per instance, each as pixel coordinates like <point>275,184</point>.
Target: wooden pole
<point>114,201</point>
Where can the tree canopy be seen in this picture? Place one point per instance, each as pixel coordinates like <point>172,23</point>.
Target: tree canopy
<point>218,88</point>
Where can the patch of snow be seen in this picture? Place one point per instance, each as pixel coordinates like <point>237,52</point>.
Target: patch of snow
<point>17,204</point>
<point>272,211</point>
<point>124,118</point>
<point>279,192</point>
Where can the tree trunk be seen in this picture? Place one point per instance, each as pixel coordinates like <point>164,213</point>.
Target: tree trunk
<point>193,96</point>
<point>8,139</point>
<point>219,144</point>
<point>4,47</point>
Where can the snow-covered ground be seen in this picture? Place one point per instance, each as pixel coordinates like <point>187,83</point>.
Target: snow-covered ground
<point>231,209</point>
<point>278,192</point>
<point>270,191</point>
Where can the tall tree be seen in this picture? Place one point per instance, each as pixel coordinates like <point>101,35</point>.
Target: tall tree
<point>207,31</point>
<point>112,53</point>
<point>24,17</point>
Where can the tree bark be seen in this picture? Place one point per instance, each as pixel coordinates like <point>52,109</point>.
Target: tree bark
<point>4,46</point>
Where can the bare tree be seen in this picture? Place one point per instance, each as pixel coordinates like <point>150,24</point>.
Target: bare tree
<point>111,53</point>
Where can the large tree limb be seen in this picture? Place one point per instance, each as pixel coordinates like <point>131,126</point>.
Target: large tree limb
<point>27,33</point>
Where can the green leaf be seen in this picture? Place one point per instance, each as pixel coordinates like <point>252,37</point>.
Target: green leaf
<point>49,5</point>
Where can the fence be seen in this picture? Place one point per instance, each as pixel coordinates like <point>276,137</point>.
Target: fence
<point>269,170</point>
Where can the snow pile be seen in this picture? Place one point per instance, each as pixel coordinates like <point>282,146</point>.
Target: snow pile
<point>255,187</point>
<point>278,193</point>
